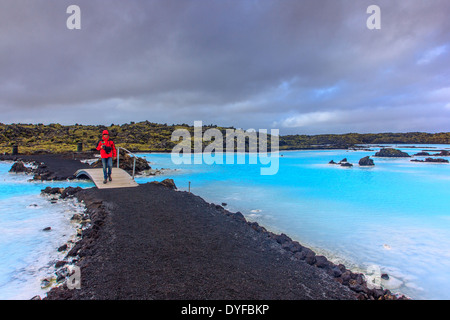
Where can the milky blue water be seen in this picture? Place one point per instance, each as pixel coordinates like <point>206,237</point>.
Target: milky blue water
<point>27,253</point>
<point>395,216</point>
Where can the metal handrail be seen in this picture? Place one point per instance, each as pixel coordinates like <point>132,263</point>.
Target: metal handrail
<point>131,153</point>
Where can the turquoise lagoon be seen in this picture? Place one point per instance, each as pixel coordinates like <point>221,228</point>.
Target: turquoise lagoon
<point>395,215</point>
<point>27,253</point>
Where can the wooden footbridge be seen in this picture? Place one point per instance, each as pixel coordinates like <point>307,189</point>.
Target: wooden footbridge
<point>120,178</point>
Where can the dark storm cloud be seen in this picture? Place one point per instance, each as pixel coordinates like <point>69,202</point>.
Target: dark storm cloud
<point>298,65</point>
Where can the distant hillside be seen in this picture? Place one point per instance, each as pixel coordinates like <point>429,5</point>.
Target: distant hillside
<point>153,137</point>
<point>350,139</point>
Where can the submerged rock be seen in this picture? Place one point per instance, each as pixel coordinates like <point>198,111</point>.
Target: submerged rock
<point>391,153</point>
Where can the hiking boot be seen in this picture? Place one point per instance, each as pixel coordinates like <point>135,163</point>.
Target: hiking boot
<point>104,181</point>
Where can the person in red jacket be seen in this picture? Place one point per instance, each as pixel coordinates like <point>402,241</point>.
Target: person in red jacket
<point>107,152</point>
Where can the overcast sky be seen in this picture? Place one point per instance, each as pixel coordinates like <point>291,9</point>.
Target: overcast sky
<point>301,66</point>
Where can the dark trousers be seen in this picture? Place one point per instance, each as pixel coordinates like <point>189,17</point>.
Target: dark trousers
<point>107,167</point>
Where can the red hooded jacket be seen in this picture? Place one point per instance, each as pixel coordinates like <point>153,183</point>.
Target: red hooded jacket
<point>107,143</point>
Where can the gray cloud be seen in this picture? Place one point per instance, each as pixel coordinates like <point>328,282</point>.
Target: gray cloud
<point>302,66</point>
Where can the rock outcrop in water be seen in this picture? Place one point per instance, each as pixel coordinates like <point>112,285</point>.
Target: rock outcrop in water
<point>443,153</point>
<point>391,153</point>
<point>342,163</point>
<point>366,161</point>
<point>432,160</point>
<point>19,167</point>
<point>421,154</point>
<point>346,164</point>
